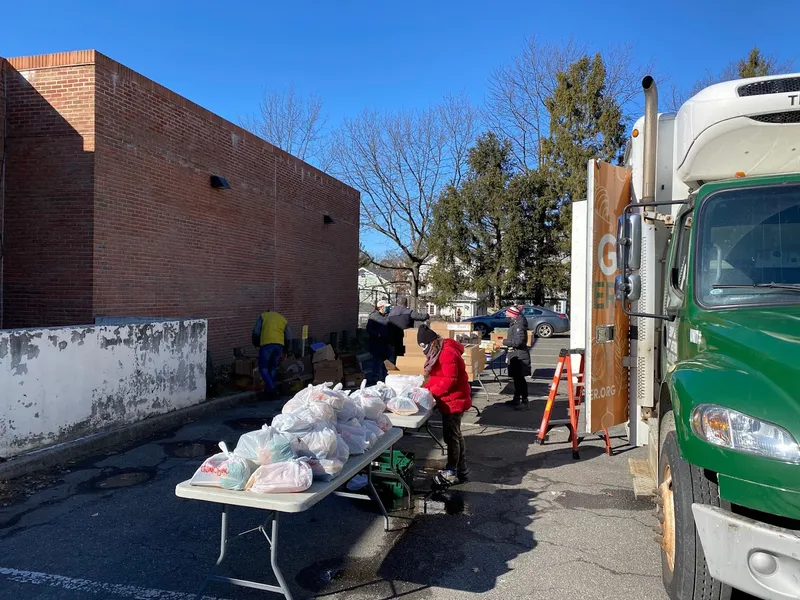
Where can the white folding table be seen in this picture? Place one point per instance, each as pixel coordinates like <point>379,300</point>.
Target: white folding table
<point>414,422</point>
<point>290,503</point>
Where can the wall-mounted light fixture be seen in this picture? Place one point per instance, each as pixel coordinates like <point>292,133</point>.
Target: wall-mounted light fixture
<point>327,220</point>
<point>219,183</point>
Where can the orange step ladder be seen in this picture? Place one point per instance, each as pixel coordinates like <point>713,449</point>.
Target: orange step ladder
<point>576,386</point>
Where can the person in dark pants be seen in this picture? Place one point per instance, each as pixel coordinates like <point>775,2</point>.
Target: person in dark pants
<point>378,331</point>
<point>519,364</point>
<point>272,336</point>
<point>401,318</point>
<point>447,380</point>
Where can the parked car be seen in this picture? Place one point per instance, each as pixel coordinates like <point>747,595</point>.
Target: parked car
<point>543,321</point>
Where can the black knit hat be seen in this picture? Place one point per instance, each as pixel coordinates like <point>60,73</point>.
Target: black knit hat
<point>426,335</point>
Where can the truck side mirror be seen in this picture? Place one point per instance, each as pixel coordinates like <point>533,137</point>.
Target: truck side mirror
<point>629,242</point>
<point>628,288</point>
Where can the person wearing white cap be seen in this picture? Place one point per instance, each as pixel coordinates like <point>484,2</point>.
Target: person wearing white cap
<point>378,331</point>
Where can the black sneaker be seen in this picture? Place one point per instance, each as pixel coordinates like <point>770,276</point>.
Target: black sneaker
<point>445,478</point>
<point>512,402</point>
<point>523,405</point>
<point>463,478</point>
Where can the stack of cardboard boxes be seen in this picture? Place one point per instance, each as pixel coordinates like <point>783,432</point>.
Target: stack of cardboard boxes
<point>413,361</point>
<point>327,368</point>
<point>498,335</point>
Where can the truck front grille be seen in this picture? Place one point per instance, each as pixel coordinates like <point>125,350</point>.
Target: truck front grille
<point>781,118</point>
<point>772,86</point>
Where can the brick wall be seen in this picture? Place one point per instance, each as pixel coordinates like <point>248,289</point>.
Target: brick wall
<point>49,191</point>
<point>2,174</point>
<point>167,244</point>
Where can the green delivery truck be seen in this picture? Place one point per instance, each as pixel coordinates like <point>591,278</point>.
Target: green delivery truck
<point>708,273</point>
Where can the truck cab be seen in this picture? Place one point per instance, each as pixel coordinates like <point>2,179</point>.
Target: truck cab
<point>709,258</point>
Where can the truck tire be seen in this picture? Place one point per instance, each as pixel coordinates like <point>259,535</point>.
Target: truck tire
<point>683,564</point>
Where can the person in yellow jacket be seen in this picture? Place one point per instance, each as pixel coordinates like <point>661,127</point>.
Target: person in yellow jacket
<point>272,336</point>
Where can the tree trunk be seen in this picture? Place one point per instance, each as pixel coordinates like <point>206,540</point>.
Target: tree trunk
<point>415,287</point>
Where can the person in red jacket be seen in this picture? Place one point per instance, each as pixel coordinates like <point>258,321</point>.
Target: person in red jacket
<point>447,380</point>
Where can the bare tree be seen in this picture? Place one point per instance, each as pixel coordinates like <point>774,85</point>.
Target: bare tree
<point>755,64</point>
<point>515,106</point>
<point>293,124</point>
<point>401,162</point>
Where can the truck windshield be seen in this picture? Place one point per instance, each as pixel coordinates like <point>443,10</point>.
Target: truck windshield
<point>749,247</point>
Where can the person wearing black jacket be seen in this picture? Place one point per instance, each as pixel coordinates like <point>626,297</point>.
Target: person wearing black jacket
<point>379,342</point>
<point>519,364</point>
<point>401,318</point>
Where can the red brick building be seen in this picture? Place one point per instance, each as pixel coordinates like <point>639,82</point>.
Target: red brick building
<point>108,210</point>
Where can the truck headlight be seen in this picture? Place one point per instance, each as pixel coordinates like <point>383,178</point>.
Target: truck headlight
<point>731,429</point>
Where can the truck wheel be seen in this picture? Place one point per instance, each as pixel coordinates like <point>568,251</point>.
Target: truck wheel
<point>683,564</point>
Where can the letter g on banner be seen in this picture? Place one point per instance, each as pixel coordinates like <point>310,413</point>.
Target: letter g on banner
<point>607,254</point>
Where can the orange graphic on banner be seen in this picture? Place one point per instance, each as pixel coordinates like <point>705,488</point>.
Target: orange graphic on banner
<point>609,385</point>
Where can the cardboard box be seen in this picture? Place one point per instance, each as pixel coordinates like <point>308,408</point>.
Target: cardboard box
<point>245,366</point>
<point>353,380</point>
<point>350,363</point>
<point>325,354</point>
<point>411,363</point>
<point>328,371</point>
<point>498,338</point>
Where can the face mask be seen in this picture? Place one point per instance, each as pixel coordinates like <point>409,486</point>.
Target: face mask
<point>425,347</point>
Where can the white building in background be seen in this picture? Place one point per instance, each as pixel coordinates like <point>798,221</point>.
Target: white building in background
<point>471,304</point>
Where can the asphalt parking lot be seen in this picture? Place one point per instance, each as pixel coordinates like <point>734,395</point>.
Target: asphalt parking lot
<point>532,523</point>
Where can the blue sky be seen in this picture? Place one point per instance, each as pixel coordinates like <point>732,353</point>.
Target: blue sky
<point>381,55</point>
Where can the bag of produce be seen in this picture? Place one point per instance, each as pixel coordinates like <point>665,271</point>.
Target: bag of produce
<point>320,442</point>
<point>400,382</point>
<point>265,446</point>
<point>402,406</point>
<point>420,396</point>
<point>293,424</point>
<point>371,400</point>
<point>372,427</point>
<point>281,478</point>
<point>383,422</point>
<point>223,470</point>
<point>350,410</point>
<point>354,435</point>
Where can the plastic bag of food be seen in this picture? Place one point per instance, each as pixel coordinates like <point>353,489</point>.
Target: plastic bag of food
<point>419,396</point>
<point>354,435</point>
<point>342,449</point>
<point>373,429</point>
<point>224,470</point>
<point>400,382</point>
<point>265,446</point>
<point>350,410</point>
<point>293,423</point>
<point>371,400</point>
<point>385,391</point>
<point>281,478</point>
<point>325,469</point>
<point>320,442</point>
<point>402,406</point>
<point>383,422</point>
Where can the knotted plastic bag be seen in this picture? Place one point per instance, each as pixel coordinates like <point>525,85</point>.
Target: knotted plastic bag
<point>403,406</point>
<point>224,470</point>
<point>420,396</point>
<point>371,400</point>
<point>318,443</point>
<point>400,382</point>
<point>265,446</point>
<point>354,435</point>
<point>293,424</point>
<point>350,410</point>
<point>383,422</point>
<point>372,427</point>
<point>281,478</point>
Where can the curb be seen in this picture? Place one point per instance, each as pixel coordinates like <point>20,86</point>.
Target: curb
<point>84,447</point>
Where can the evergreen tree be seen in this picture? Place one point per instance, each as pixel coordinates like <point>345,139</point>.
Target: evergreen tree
<point>478,232</point>
<point>585,123</point>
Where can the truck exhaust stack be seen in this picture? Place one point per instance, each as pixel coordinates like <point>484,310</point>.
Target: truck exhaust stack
<point>650,129</point>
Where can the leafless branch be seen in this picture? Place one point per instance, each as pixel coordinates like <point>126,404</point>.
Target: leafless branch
<point>294,124</point>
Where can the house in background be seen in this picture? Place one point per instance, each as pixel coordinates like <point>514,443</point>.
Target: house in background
<point>470,303</point>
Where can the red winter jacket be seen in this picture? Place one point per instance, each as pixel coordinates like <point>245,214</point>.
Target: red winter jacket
<point>448,381</point>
